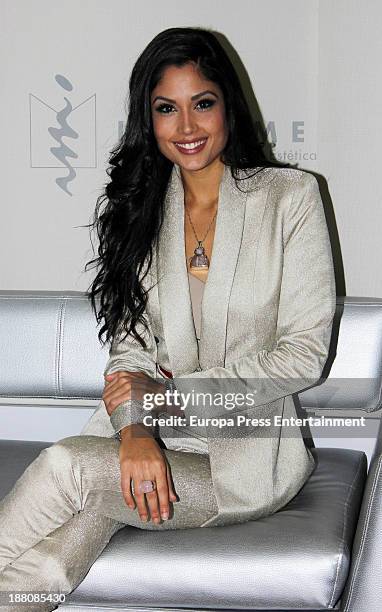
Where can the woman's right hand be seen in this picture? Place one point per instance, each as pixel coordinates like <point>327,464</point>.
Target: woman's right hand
<point>141,458</point>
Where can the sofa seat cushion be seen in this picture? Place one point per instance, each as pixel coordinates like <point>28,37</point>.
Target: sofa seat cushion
<point>297,558</point>
<point>15,456</point>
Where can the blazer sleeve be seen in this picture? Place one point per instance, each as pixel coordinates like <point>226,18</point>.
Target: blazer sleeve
<point>307,304</point>
<point>128,355</point>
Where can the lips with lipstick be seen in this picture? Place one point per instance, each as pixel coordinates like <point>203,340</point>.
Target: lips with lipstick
<point>190,147</point>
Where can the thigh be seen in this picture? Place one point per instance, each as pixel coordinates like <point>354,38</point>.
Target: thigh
<point>95,463</point>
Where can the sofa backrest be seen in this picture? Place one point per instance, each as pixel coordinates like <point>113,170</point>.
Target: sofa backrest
<point>49,348</point>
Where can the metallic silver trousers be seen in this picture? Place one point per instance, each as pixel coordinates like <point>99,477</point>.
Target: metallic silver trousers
<point>68,503</point>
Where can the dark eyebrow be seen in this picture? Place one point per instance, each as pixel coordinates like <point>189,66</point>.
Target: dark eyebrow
<point>195,97</point>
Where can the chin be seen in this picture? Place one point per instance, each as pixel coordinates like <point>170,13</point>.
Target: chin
<point>195,164</point>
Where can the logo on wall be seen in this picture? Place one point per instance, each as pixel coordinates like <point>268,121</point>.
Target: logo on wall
<point>60,135</point>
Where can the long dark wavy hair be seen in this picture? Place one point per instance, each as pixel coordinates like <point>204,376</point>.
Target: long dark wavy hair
<point>128,225</point>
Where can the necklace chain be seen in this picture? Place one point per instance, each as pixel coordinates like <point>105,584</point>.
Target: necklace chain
<point>193,228</point>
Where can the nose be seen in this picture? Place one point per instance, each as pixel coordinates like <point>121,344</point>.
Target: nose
<point>187,123</point>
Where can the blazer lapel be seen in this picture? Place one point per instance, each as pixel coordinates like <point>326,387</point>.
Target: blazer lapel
<point>173,285</point>
<point>223,260</point>
<point>173,289</point>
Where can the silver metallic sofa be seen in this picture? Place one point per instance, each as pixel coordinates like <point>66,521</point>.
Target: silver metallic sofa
<point>322,551</point>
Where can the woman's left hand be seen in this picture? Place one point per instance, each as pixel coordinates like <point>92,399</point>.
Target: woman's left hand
<point>122,386</point>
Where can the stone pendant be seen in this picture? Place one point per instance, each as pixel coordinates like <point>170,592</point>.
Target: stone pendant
<point>199,260</point>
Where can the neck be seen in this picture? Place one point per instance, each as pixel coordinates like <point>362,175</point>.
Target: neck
<point>201,187</point>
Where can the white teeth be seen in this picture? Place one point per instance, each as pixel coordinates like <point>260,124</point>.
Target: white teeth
<point>191,145</point>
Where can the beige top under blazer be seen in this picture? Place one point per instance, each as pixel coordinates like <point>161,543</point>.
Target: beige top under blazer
<point>196,292</point>
<point>266,322</point>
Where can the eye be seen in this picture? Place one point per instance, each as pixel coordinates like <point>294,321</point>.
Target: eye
<point>161,108</point>
<point>204,104</point>
<point>206,101</point>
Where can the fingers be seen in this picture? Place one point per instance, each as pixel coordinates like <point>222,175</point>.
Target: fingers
<point>140,501</point>
<point>157,500</point>
<point>118,391</point>
<point>171,491</point>
<point>126,478</point>
<point>133,499</point>
<point>136,376</point>
<point>114,384</point>
<point>126,487</point>
<point>122,386</point>
<point>155,504</point>
<point>112,400</point>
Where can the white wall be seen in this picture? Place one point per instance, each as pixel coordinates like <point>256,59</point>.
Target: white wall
<point>349,129</point>
<point>315,62</point>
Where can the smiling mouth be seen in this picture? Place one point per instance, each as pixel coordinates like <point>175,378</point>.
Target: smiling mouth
<point>191,146</point>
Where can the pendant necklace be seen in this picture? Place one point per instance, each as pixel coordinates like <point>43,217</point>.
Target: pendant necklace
<point>199,260</point>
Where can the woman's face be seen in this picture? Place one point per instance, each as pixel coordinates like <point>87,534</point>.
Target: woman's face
<point>186,109</point>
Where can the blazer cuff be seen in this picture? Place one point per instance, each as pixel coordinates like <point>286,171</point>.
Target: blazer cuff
<point>127,413</point>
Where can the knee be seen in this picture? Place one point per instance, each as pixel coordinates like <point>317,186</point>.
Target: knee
<point>80,451</point>
<point>67,448</point>
<point>72,442</point>
<point>61,454</point>
<point>59,464</point>
<point>83,458</point>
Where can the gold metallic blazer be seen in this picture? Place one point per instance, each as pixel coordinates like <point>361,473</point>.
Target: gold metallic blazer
<point>267,314</point>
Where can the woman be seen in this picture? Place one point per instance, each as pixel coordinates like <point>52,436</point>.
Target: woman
<point>193,209</point>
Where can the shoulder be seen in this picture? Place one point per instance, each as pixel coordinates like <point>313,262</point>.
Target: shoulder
<point>290,190</point>
<point>281,179</point>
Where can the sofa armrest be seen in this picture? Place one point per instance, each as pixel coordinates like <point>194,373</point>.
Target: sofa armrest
<point>363,590</point>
